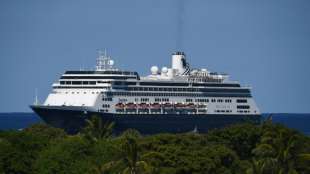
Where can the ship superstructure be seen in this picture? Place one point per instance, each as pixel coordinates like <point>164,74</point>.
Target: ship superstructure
<point>175,92</point>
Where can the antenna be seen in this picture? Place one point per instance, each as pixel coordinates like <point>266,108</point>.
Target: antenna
<point>36,101</point>
<point>104,62</point>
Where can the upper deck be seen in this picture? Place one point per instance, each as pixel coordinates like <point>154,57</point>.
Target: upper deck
<point>180,75</point>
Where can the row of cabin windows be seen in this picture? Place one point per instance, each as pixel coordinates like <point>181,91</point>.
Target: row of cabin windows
<point>237,90</point>
<point>179,94</point>
<point>177,84</point>
<point>161,99</point>
<point>222,111</point>
<point>189,100</point>
<point>214,100</point>
<point>242,101</point>
<point>167,100</point>
<point>243,107</point>
<point>78,82</point>
<point>107,99</point>
<point>186,100</point>
<point>228,101</point>
<point>99,77</point>
<point>202,100</point>
<point>243,111</point>
<point>84,92</point>
<point>145,99</point>
<point>142,83</point>
<point>105,105</point>
<point>102,72</point>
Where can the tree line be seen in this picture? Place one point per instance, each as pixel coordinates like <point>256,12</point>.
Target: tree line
<point>243,148</point>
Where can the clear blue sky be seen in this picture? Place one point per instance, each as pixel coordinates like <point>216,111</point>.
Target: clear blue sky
<point>264,43</point>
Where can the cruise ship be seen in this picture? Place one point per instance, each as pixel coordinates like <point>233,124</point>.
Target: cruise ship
<point>170,100</point>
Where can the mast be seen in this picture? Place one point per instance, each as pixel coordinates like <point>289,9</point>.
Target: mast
<point>104,62</point>
<point>36,100</point>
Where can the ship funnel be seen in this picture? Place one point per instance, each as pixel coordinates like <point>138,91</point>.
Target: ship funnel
<point>179,63</point>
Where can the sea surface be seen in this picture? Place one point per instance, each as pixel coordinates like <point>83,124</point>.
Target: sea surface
<point>20,120</point>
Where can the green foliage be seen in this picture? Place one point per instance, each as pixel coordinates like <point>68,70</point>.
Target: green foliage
<point>171,155</point>
<point>244,148</point>
<point>281,150</point>
<point>20,149</point>
<point>97,129</point>
<point>68,156</point>
<point>242,138</point>
<point>46,132</point>
<point>129,161</point>
<point>131,156</point>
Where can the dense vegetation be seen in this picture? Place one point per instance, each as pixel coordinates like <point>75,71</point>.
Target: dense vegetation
<point>244,148</point>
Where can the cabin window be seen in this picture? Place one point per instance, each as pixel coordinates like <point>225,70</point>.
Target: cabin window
<point>243,107</point>
<point>242,101</point>
<point>76,82</point>
<point>189,100</point>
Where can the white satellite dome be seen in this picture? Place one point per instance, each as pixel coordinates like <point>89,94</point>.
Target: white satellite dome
<point>111,62</point>
<point>154,70</point>
<point>164,70</point>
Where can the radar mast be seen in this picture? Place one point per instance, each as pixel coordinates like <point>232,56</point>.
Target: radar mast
<point>104,62</point>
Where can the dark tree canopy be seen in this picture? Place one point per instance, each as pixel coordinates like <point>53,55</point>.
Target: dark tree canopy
<point>243,148</point>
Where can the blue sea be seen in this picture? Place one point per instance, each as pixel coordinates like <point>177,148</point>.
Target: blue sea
<point>17,121</point>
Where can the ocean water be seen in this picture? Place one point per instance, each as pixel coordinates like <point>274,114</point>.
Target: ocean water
<point>17,121</point>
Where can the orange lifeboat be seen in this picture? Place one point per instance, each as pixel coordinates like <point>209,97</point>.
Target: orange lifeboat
<point>143,106</point>
<point>201,106</point>
<point>180,106</point>
<point>155,106</point>
<point>191,106</point>
<point>168,106</point>
<point>119,106</point>
<point>131,106</point>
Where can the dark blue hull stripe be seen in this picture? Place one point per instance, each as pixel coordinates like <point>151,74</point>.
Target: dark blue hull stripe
<point>73,120</point>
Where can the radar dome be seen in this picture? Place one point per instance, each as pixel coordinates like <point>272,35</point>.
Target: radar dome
<point>154,70</point>
<point>164,70</point>
<point>111,62</point>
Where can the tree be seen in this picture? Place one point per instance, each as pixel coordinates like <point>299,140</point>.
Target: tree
<point>97,129</point>
<point>257,167</point>
<point>19,150</point>
<point>131,156</point>
<point>46,132</point>
<point>242,138</point>
<point>278,149</point>
<point>129,161</point>
<point>72,155</point>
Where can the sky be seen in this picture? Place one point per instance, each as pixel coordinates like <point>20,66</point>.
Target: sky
<point>262,43</point>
